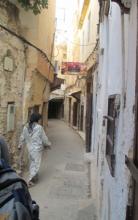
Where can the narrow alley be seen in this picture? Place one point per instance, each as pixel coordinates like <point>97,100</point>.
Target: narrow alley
<point>69,80</point>
<point>63,188</point>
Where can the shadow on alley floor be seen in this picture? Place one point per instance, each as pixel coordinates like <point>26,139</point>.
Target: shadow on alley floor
<point>63,191</point>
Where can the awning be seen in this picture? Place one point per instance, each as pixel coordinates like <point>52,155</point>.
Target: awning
<point>56,98</point>
<point>75,94</point>
<point>57,94</point>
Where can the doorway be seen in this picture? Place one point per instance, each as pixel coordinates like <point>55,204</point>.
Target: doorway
<point>89,114</point>
<point>56,109</point>
<point>69,110</point>
<point>81,117</point>
<point>75,113</point>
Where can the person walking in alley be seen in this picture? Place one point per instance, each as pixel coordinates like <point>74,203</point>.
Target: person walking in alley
<point>34,137</point>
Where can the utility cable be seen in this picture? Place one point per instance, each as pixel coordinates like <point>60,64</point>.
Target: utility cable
<point>27,42</point>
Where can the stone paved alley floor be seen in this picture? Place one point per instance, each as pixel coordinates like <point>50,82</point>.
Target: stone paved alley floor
<point>63,190</point>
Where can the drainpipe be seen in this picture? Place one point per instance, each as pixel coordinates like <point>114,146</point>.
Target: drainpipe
<point>28,43</point>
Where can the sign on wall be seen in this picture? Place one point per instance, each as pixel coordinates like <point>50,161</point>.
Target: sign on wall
<point>73,68</point>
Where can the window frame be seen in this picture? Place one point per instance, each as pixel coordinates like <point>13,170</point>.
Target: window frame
<point>111,133</point>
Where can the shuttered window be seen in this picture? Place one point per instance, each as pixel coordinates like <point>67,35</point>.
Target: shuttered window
<point>112,124</point>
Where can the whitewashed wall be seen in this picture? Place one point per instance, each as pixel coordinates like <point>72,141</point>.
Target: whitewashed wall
<point>116,75</point>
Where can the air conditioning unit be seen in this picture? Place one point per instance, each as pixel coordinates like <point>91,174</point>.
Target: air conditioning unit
<point>127,3</point>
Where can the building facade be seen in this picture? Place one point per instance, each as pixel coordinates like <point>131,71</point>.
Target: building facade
<point>113,114</point>
<point>26,67</point>
<point>12,74</point>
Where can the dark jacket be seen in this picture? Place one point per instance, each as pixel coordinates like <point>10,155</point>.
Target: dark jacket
<point>4,153</point>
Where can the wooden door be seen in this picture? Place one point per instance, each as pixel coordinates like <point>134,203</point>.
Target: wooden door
<point>81,117</point>
<point>89,116</point>
<point>69,110</point>
<point>75,113</point>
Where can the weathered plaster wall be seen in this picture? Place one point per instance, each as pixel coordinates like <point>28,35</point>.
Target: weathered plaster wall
<point>11,82</point>
<point>25,85</point>
<point>36,90</point>
<point>116,76</point>
<point>39,30</point>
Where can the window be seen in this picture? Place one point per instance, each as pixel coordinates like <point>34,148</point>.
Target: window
<point>11,117</point>
<point>112,124</point>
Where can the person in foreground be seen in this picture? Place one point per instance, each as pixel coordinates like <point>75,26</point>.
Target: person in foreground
<point>34,137</point>
<point>4,151</point>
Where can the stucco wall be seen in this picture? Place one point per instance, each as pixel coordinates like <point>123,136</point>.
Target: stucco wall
<point>26,84</point>
<point>39,30</point>
<point>11,82</point>
<point>116,75</point>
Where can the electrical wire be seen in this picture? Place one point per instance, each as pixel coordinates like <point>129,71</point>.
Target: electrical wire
<point>28,43</point>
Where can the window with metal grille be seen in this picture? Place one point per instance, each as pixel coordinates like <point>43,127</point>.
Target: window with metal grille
<point>112,124</point>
